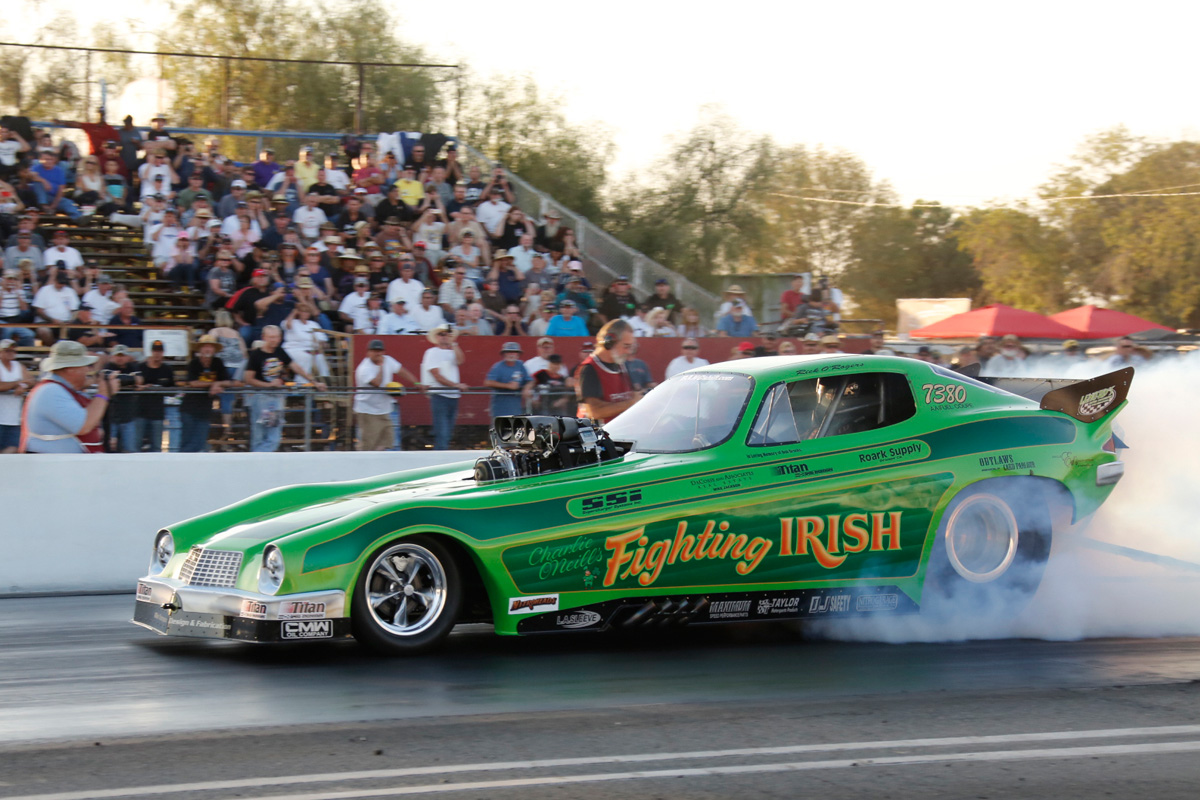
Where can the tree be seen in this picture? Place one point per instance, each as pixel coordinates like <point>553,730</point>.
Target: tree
<point>510,121</point>
<point>813,201</point>
<point>312,96</point>
<point>1020,260</point>
<point>700,218</point>
<point>913,252</point>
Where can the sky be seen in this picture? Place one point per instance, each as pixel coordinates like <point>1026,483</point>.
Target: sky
<point>962,103</point>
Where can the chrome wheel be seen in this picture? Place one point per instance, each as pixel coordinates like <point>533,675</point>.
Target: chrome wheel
<point>981,538</point>
<point>406,589</point>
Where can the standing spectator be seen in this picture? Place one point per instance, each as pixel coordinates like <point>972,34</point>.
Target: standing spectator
<point>565,323</point>
<point>266,167</point>
<point>545,347</point>
<point>372,403</point>
<point>439,372</point>
<point>737,323</point>
<point>1009,361</point>
<point>793,299</point>
<point>687,359</point>
<point>1125,355</point>
<point>493,214</point>
<point>876,347</point>
<point>208,374</point>
<point>15,383</point>
<point>58,417</point>
<point>266,369</point>
<point>122,410</point>
<point>639,372</point>
<point>509,382</point>
<point>151,409</point>
<point>603,386</point>
<point>306,168</point>
<point>12,145</point>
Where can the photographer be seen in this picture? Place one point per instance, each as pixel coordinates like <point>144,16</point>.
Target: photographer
<point>122,409</point>
<point>58,417</point>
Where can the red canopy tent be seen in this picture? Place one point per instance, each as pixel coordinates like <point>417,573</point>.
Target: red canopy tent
<point>1094,322</point>
<point>996,320</point>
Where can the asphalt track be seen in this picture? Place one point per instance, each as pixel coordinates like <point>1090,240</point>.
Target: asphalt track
<point>92,706</point>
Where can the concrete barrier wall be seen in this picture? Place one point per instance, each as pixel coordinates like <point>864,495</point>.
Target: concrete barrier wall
<point>77,523</point>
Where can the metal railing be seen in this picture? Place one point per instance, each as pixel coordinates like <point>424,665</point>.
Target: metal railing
<point>603,251</point>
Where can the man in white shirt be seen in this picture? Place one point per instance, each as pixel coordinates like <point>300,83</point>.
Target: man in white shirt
<point>406,287</point>
<point>369,318</point>
<point>99,297</point>
<point>522,254</point>
<point>309,217</point>
<point>687,360</point>
<point>545,347</point>
<point>157,167</point>
<point>439,372</point>
<point>57,302</point>
<point>163,237</point>
<point>62,251</point>
<point>452,293</point>
<point>427,315</point>
<point>494,212</point>
<point>335,176</point>
<point>372,403</point>
<point>637,321</point>
<point>232,224</point>
<point>355,301</point>
<point>398,320</point>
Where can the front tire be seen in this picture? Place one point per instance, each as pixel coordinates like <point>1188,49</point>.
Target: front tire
<point>991,551</point>
<point>407,597</point>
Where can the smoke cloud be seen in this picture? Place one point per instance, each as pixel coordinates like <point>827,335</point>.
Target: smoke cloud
<point>1132,570</point>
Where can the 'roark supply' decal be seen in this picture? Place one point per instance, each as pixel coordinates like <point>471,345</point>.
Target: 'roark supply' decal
<point>874,531</point>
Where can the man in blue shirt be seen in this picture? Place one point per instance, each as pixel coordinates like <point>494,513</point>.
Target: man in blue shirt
<point>509,382</point>
<point>49,178</point>
<point>737,322</point>
<point>565,323</point>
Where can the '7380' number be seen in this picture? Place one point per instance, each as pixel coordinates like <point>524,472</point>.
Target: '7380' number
<point>938,393</point>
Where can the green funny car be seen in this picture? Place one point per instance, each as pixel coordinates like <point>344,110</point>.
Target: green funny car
<point>761,489</point>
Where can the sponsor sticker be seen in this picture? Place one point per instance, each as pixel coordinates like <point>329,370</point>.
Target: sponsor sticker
<point>145,594</point>
<point>876,602</point>
<point>893,454</point>
<point>533,605</point>
<point>729,609</point>
<point>577,619</point>
<point>778,605</point>
<point>829,604</point>
<point>302,609</point>
<point>1098,401</point>
<point>307,629</point>
<point>252,609</point>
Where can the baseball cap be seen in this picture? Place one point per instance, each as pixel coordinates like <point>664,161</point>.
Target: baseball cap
<point>259,273</point>
<point>120,350</point>
<point>238,184</point>
<point>662,282</point>
<point>419,244</point>
<point>362,282</point>
<point>566,303</point>
<point>1071,344</point>
<point>510,347</point>
<point>375,344</point>
<point>811,337</point>
<point>545,340</point>
<point>745,347</point>
<point>7,343</point>
<point>586,346</point>
<point>156,346</point>
<point>576,265</point>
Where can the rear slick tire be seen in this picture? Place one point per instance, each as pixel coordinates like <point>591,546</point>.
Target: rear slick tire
<point>990,553</point>
<point>407,597</point>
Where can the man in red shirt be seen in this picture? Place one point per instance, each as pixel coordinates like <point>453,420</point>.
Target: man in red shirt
<point>604,388</point>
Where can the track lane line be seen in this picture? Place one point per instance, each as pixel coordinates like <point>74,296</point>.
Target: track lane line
<point>402,772</point>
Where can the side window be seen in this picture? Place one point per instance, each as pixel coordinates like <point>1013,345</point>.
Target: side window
<point>833,406</point>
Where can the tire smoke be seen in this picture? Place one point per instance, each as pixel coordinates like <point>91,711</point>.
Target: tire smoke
<point>1132,570</point>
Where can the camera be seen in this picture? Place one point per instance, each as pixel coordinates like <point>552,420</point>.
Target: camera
<point>123,378</point>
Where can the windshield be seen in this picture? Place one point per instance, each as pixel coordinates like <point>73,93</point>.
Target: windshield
<point>690,412</point>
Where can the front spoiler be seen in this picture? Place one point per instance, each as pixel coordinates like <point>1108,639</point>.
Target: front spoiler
<point>166,607</point>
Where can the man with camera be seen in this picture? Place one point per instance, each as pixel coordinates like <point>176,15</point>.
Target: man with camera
<point>58,417</point>
<point>122,409</point>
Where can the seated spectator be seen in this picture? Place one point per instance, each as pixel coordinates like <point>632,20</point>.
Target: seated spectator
<point>428,315</point>
<point>398,320</point>
<point>641,327</point>
<point>546,311</point>
<point>619,301</point>
<point>23,250</point>
<point>406,287</point>
<point>304,340</point>
<point>477,322</point>
<point>522,254</point>
<point>49,180</point>
<point>659,321</point>
<point>690,325</point>
<point>308,217</point>
<point>508,277</point>
<point>27,224</point>
<point>493,213</point>
<point>467,253</point>
<point>513,324</point>
<point>15,307</point>
<point>452,293</point>
<point>565,323</point>
<point>130,337</point>
<point>737,323</point>
<point>577,294</point>
<point>664,298</point>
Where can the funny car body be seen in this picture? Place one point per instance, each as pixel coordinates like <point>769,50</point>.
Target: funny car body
<point>763,489</point>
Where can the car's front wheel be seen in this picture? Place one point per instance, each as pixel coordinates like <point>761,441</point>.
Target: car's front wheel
<point>991,551</point>
<point>407,597</point>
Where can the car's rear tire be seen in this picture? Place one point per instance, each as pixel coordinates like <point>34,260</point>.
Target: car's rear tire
<point>407,597</point>
<point>991,550</point>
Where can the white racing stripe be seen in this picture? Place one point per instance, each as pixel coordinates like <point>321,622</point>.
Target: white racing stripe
<point>449,769</point>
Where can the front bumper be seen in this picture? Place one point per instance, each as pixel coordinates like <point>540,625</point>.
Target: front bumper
<point>167,607</point>
<point>1110,473</point>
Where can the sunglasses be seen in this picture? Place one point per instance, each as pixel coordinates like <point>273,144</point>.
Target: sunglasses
<point>690,347</point>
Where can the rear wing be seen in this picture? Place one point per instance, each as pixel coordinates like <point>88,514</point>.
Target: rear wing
<point>1090,400</point>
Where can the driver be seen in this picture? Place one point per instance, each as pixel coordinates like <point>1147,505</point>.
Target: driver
<point>604,389</point>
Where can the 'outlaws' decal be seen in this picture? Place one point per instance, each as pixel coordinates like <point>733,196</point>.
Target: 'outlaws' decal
<point>874,531</point>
